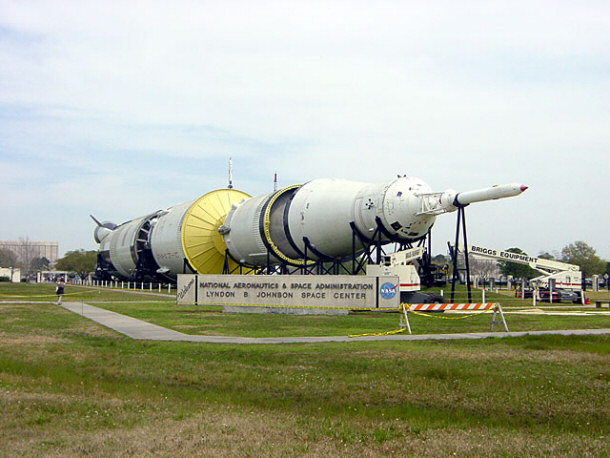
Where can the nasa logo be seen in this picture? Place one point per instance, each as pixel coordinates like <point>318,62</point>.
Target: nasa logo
<point>388,290</point>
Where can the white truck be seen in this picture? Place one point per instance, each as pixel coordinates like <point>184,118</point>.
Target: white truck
<point>401,264</point>
<point>559,281</point>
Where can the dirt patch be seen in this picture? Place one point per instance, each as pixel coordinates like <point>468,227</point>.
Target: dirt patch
<point>32,339</point>
<point>251,433</point>
<point>487,354</point>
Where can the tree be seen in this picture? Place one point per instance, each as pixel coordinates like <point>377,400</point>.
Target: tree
<point>440,259</point>
<point>39,264</point>
<point>7,258</point>
<point>518,271</point>
<point>78,261</point>
<point>26,254</point>
<point>484,268</point>
<point>546,255</point>
<point>584,256</point>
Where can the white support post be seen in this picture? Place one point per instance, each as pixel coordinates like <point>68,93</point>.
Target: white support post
<point>498,310</point>
<point>534,296</point>
<point>404,318</point>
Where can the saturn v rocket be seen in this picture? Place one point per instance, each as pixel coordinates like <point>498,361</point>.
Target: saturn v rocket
<point>315,221</point>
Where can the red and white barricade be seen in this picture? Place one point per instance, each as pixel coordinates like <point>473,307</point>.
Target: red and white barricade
<point>444,307</point>
<point>474,307</point>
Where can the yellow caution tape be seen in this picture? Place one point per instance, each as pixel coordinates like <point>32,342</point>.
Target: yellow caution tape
<point>387,333</point>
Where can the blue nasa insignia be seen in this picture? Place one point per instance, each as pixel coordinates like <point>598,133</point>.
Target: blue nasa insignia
<point>388,290</point>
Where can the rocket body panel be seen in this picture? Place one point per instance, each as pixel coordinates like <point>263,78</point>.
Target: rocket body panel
<point>101,233</point>
<point>276,219</point>
<point>401,206</point>
<point>122,246</point>
<point>321,210</point>
<point>244,239</point>
<point>104,251</point>
<point>166,238</point>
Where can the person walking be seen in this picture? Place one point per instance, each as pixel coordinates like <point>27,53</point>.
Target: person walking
<point>59,290</point>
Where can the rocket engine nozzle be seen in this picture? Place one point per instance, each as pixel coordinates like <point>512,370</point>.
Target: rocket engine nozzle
<point>102,229</point>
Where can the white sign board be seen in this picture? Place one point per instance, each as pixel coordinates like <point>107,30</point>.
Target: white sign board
<point>186,289</point>
<point>321,291</point>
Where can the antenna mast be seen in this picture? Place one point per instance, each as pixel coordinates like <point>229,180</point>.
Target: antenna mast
<point>230,173</point>
<point>275,182</point>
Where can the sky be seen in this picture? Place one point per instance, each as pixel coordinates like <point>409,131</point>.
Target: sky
<point>122,108</point>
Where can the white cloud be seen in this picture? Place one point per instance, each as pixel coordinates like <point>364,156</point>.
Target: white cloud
<point>142,103</point>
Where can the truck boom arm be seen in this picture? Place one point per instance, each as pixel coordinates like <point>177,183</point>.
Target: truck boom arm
<point>545,266</point>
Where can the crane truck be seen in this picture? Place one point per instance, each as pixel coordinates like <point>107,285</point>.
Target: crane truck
<point>559,281</point>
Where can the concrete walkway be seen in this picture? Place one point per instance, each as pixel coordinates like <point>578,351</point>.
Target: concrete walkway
<point>141,330</point>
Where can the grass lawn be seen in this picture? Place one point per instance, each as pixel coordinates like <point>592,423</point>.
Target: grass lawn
<point>199,320</point>
<point>70,387</point>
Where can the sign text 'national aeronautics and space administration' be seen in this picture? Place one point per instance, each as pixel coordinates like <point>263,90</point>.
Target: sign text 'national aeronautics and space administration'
<point>340,291</point>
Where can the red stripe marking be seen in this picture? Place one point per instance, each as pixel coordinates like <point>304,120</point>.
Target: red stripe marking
<point>467,306</point>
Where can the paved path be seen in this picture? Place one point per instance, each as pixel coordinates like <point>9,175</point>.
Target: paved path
<point>141,330</point>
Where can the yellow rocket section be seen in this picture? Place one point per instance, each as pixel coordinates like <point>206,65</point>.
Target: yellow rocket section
<point>203,247</point>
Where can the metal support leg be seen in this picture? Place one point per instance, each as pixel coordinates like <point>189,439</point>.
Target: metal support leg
<point>404,317</point>
<point>498,311</point>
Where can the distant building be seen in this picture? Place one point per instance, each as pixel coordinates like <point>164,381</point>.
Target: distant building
<point>13,274</point>
<point>26,250</point>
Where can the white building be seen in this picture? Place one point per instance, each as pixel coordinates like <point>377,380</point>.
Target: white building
<point>26,250</point>
<point>13,273</point>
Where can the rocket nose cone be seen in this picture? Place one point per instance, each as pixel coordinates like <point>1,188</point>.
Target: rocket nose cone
<point>523,188</point>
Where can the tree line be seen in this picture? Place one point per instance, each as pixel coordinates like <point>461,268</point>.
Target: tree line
<point>578,253</point>
<point>83,262</point>
<point>80,262</point>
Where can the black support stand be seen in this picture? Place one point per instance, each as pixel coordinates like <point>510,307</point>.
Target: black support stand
<point>366,249</point>
<point>461,224</point>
